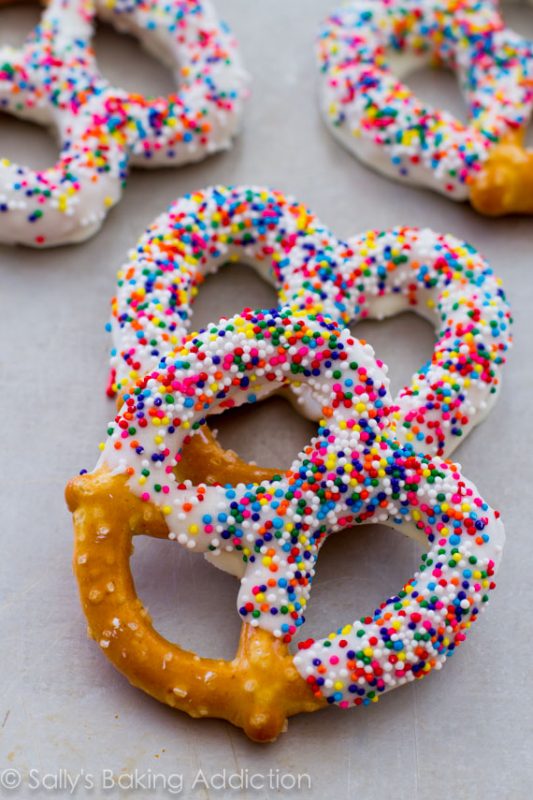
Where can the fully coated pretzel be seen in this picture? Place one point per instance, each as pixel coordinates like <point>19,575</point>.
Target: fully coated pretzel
<point>54,81</point>
<point>353,471</point>
<point>373,275</point>
<point>364,50</point>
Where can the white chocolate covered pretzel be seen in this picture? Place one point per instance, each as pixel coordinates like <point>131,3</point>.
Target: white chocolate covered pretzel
<point>54,81</point>
<point>353,471</point>
<point>367,47</point>
<point>372,275</point>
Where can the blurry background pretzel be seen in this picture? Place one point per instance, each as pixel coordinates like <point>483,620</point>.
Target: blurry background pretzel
<point>365,50</point>
<point>54,80</point>
<point>353,471</point>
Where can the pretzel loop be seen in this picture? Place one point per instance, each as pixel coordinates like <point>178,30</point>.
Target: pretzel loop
<point>257,691</point>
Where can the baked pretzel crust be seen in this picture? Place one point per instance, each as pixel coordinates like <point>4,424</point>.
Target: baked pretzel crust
<point>205,461</point>
<point>505,184</point>
<point>257,691</point>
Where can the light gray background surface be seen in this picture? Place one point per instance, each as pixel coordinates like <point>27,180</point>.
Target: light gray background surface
<point>466,732</point>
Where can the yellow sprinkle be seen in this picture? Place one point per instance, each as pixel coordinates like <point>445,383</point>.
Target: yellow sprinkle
<point>346,630</point>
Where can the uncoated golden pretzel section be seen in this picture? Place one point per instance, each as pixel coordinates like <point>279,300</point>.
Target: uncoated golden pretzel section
<point>505,184</point>
<point>257,691</point>
<point>204,460</point>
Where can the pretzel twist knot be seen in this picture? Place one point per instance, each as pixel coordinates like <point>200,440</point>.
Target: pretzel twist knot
<point>354,471</point>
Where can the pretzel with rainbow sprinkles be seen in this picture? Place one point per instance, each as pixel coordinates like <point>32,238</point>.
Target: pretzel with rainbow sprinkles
<point>353,471</point>
<point>54,81</point>
<point>364,50</point>
<point>372,275</point>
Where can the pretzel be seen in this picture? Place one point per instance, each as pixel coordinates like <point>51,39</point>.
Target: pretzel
<point>373,275</point>
<point>354,471</point>
<point>54,81</point>
<point>367,47</point>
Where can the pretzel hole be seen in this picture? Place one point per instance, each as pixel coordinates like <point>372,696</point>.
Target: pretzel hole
<point>404,342</point>
<point>358,569</point>
<point>125,63</point>
<point>519,17</point>
<point>189,600</point>
<point>438,88</point>
<point>270,433</point>
<point>17,20</point>
<point>25,142</point>
<point>226,292</point>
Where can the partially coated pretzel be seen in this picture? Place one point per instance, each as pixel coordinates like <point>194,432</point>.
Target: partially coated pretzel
<point>353,471</point>
<point>54,81</point>
<point>256,691</point>
<point>372,275</point>
<point>364,50</point>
